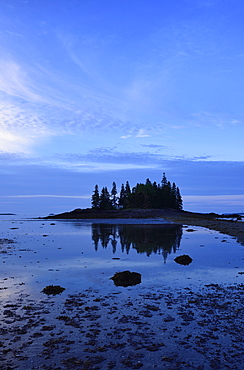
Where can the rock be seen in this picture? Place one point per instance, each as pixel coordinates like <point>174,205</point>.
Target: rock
<point>53,290</point>
<point>183,260</point>
<point>126,278</point>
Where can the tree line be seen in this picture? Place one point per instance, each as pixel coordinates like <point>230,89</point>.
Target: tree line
<point>149,196</point>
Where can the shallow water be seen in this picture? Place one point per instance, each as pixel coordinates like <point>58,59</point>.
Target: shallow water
<point>83,254</point>
<point>178,317</point>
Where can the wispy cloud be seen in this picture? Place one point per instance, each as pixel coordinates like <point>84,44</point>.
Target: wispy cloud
<point>142,133</point>
<point>214,200</point>
<point>212,119</point>
<point>125,136</point>
<point>20,128</point>
<point>156,146</point>
<point>47,196</point>
<point>14,81</point>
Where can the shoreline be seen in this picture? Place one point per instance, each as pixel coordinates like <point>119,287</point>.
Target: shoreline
<point>228,227</point>
<point>211,221</point>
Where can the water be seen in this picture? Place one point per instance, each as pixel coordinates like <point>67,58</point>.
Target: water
<point>170,320</point>
<point>83,254</point>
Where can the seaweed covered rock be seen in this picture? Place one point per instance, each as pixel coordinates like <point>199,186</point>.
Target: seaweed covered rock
<point>183,260</point>
<point>126,278</point>
<point>53,289</point>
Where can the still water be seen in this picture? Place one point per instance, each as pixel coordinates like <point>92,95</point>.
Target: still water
<point>85,254</point>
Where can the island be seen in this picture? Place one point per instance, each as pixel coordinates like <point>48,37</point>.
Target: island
<point>152,200</point>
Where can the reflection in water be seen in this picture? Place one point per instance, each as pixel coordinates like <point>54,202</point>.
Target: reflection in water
<point>144,238</point>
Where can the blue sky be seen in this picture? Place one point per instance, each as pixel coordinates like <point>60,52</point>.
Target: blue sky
<point>97,91</point>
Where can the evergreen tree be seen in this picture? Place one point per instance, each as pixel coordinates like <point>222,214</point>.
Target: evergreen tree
<point>114,196</point>
<point>148,195</point>
<point>164,180</point>
<point>95,198</point>
<point>148,182</point>
<point>105,202</point>
<point>122,196</point>
<point>179,201</point>
<point>127,195</point>
<point>127,189</point>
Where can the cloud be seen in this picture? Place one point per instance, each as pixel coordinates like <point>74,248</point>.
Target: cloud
<point>216,199</point>
<point>47,196</point>
<point>125,136</point>
<point>142,133</point>
<point>106,155</point>
<point>11,142</point>
<point>154,146</point>
<point>20,128</point>
<point>214,203</point>
<point>14,81</point>
<point>206,119</point>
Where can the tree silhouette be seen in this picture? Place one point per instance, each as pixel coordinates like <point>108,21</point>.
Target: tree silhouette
<point>105,202</point>
<point>148,195</point>
<point>114,196</point>
<point>95,198</point>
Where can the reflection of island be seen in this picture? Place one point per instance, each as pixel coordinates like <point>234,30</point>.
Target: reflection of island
<point>151,238</point>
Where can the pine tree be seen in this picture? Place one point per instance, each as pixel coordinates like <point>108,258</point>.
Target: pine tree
<point>179,200</point>
<point>95,198</point>
<point>148,195</point>
<point>127,189</point>
<point>122,196</point>
<point>127,195</point>
<point>164,180</point>
<point>105,202</point>
<point>114,196</point>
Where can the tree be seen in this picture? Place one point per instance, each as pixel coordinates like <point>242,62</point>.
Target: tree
<point>148,195</point>
<point>127,189</point>
<point>179,201</point>
<point>122,196</point>
<point>114,196</point>
<point>105,202</point>
<point>164,180</point>
<point>127,194</point>
<point>95,198</point>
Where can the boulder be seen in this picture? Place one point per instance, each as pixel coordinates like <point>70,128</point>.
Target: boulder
<point>126,278</point>
<point>183,260</point>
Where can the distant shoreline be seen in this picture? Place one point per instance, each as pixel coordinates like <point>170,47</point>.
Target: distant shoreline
<point>7,214</point>
<point>225,224</point>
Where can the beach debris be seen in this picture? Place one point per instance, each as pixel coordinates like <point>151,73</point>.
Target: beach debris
<point>53,289</point>
<point>183,260</point>
<point>126,278</point>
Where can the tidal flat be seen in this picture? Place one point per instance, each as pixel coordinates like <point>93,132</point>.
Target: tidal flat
<point>178,317</point>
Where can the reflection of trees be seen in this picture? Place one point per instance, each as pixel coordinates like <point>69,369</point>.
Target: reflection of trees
<point>151,238</point>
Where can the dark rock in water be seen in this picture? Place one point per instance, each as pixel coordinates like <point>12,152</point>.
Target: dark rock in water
<point>126,278</point>
<point>53,290</point>
<point>183,260</point>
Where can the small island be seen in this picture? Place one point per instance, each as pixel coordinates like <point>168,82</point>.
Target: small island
<point>152,200</point>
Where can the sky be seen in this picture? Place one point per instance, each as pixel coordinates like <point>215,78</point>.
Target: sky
<point>96,91</point>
